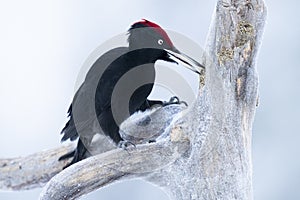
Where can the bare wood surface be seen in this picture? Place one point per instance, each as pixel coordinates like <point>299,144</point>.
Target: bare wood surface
<point>31,171</point>
<point>101,170</point>
<point>36,170</point>
<point>220,124</point>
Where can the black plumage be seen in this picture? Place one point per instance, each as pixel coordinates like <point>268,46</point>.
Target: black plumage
<point>117,85</point>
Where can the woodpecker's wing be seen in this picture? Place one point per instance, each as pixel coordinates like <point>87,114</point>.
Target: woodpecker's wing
<point>85,106</point>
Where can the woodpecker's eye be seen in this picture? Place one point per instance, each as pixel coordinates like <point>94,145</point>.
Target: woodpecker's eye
<point>160,41</point>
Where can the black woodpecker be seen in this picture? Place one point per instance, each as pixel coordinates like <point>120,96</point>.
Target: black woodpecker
<point>118,84</point>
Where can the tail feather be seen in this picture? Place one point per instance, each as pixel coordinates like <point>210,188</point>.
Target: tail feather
<point>69,130</point>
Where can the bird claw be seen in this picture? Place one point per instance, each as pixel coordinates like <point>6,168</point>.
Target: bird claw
<point>125,144</point>
<point>174,100</point>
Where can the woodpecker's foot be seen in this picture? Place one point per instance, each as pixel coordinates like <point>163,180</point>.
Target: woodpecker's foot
<point>125,144</point>
<point>174,100</point>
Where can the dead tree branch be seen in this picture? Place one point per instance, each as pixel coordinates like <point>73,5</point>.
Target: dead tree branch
<point>101,170</point>
<point>31,171</point>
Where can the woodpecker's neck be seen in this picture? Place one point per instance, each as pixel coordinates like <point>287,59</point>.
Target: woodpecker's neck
<point>146,55</point>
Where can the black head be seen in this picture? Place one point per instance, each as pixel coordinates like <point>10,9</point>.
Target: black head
<point>148,35</point>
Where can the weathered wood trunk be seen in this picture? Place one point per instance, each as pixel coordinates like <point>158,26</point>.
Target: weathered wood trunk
<point>218,165</point>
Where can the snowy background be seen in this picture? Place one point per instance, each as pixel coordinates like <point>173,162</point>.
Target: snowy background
<point>44,43</point>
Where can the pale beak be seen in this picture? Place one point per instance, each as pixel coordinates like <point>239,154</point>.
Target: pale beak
<point>187,61</point>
